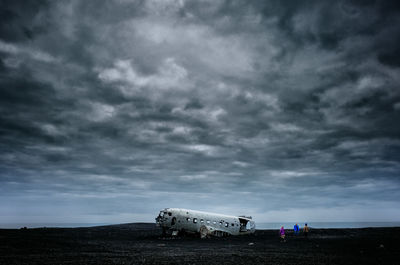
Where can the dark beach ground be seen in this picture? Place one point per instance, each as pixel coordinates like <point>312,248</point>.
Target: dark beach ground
<point>142,244</point>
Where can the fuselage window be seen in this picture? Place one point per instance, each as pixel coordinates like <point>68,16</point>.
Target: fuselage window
<point>233,224</point>
<point>201,221</point>
<point>173,220</point>
<point>220,223</point>
<point>169,213</point>
<point>214,222</point>
<point>195,220</point>
<point>226,224</point>
<point>208,222</point>
<point>188,219</point>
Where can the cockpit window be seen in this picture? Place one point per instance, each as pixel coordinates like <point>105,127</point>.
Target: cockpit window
<point>161,214</point>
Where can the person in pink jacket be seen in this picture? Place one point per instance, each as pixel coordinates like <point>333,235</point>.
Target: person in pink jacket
<point>282,234</point>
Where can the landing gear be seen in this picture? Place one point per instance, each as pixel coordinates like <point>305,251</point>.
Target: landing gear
<point>182,232</point>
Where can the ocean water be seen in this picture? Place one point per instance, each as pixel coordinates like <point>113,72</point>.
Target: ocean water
<point>259,225</point>
<point>39,225</point>
<point>289,225</point>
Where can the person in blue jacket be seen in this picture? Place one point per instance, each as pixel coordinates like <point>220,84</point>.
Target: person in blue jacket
<point>296,229</point>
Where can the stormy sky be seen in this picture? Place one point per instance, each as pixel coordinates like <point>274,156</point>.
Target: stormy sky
<point>283,110</point>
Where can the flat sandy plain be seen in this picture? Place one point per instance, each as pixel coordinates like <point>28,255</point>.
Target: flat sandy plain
<point>142,244</point>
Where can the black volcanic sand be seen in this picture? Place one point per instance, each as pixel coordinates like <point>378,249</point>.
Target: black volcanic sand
<point>142,244</point>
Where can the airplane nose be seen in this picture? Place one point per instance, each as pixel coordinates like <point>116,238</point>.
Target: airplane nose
<point>159,220</point>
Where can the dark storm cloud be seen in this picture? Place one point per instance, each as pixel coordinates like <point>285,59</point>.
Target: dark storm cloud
<point>249,106</point>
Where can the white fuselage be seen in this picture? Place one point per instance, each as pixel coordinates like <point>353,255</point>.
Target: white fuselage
<point>177,219</point>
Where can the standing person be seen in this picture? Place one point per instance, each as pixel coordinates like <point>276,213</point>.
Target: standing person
<point>306,230</point>
<point>282,234</point>
<point>296,229</point>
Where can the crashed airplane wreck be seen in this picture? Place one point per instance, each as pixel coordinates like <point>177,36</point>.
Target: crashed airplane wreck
<point>179,221</point>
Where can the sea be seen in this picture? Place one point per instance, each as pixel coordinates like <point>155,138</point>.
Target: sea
<point>289,225</point>
<point>259,225</point>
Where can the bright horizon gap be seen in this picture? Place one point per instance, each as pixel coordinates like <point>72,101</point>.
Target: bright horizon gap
<point>259,225</point>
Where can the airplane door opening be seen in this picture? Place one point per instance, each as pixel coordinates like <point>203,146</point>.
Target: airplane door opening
<point>243,224</point>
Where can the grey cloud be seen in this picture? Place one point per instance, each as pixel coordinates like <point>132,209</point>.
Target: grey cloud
<point>249,105</point>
